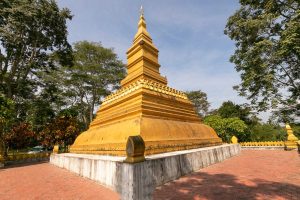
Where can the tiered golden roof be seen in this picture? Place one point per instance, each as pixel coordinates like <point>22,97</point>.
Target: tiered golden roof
<point>145,106</point>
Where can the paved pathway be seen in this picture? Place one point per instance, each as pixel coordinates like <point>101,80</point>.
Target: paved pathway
<point>46,182</point>
<point>255,174</point>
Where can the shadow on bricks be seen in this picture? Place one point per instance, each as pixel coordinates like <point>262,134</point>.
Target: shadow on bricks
<point>202,185</point>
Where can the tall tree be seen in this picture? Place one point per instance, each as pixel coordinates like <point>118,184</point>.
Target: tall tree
<point>96,72</point>
<point>243,112</point>
<point>267,36</point>
<point>199,99</point>
<point>32,33</point>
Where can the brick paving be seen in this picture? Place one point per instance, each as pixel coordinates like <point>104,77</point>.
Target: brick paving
<point>255,174</point>
<point>47,182</point>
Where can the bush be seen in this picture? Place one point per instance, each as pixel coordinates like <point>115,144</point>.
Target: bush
<point>267,132</point>
<point>226,127</point>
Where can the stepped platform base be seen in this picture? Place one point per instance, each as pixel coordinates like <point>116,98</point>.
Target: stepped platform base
<point>139,180</point>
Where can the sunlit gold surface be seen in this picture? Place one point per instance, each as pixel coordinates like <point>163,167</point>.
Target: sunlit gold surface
<point>234,140</point>
<point>291,142</point>
<point>145,106</point>
<point>267,143</point>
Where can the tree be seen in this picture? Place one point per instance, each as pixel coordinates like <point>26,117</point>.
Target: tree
<point>229,109</point>
<point>20,136</point>
<point>226,127</point>
<point>267,35</point>
<point>6,120</point>
<point>44,107</point>
<point>97,72</point>
<point>32,34</point>
<point>267,132</point>
<point>199,99</point>
<point>62,130</point>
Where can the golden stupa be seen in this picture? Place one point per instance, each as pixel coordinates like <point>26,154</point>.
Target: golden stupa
<point>145,106</point>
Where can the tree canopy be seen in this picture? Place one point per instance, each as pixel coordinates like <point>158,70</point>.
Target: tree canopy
<point>6,119</point>
<point>41,76</point>
<point>31,33</point>
<point>33,42</point>
<point>267,132</point>
<point>62,130</point>
<point>229,109</point>
<point>20,136</point>
<point>267,39</point>
<point>97,71</point>
<point>226,127</point>
<point>199,99</point>
<point>240,120</point>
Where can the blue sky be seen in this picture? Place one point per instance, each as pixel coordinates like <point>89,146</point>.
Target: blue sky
<point>194,52</point>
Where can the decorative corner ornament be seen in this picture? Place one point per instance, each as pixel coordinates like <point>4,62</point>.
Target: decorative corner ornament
<point>135,149</point>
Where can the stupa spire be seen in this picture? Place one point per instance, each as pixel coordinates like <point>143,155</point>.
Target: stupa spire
<point>142,57</point>
<point>142,28</point>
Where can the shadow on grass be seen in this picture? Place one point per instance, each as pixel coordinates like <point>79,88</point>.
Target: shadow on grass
<point>202,185</point>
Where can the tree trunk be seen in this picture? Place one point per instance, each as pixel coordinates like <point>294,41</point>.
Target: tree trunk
<point>91,114</point>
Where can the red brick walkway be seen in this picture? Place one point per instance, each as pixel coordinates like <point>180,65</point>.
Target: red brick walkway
<point>255,174</point>
<point>45,181</point>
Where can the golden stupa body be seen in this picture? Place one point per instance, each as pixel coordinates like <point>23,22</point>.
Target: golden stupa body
<point>145,106</point>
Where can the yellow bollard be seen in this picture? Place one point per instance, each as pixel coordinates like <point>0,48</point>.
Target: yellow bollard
<point>56,149</point>
<point>234,140</point>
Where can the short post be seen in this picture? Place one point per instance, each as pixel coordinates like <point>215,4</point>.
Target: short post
<point>56,149</point>
<point>234,140</point>
<point>291,142</point>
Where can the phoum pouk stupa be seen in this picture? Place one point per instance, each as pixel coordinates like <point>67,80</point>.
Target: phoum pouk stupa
<point>145,106</point>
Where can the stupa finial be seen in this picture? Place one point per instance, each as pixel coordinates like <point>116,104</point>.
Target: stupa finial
<point>141,11</point>
<point>142,27</point>
<point>142,21</point>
